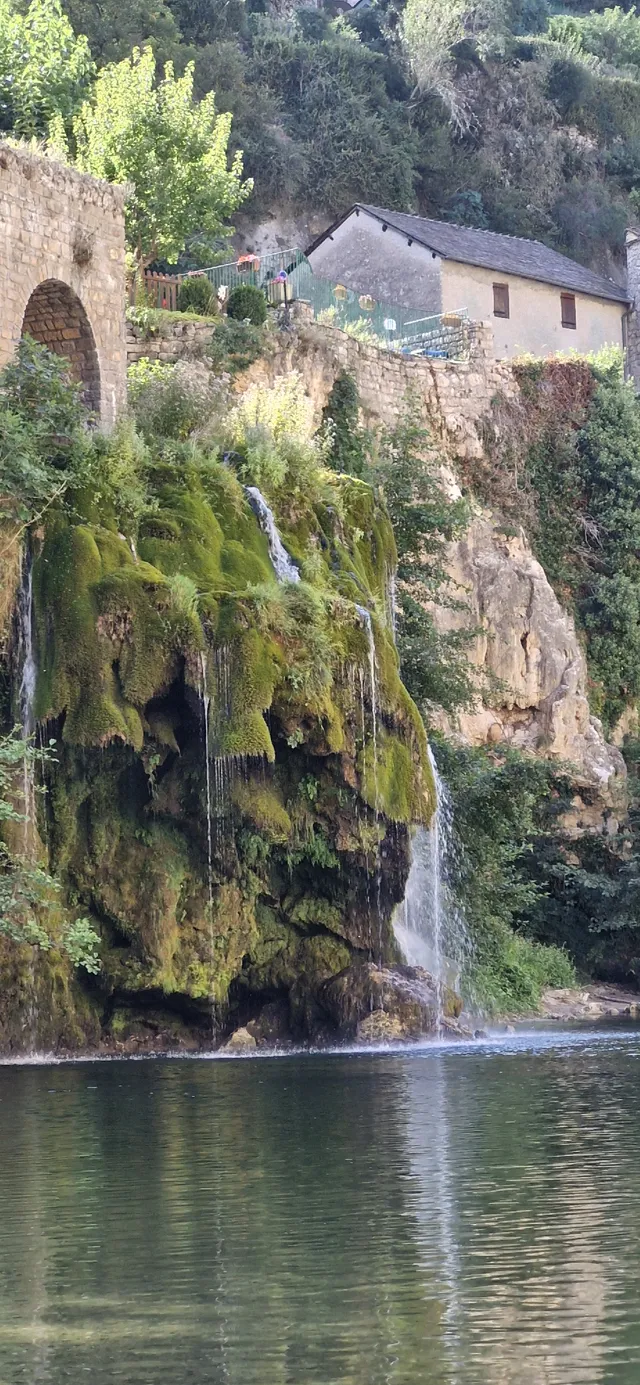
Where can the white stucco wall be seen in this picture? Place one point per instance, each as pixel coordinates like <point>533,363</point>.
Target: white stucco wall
<point>367,259</point>
<point>535,321</point>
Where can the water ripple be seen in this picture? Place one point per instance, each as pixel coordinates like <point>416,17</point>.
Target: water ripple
<point>443,1215</point>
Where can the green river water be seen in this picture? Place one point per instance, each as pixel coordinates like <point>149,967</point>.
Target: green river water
<point>463,1215</point>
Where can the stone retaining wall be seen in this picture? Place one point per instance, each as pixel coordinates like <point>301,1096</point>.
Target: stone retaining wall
<point>174,342</point>
<point>453,397</point>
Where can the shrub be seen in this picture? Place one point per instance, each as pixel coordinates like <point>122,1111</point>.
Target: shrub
<point>341,417</point>
<point>44,442</point>
<point>170,401</point>
<point>234,346</point>
<point>247,304</point>
<point>196,295</point>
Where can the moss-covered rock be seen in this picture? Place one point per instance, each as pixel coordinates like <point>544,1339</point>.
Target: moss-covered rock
<point>247,881</point>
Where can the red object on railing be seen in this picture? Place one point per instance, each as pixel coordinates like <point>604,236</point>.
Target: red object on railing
<point>251,262</point>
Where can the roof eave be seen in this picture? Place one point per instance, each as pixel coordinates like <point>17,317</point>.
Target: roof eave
<point>326,235</point>
<point>540,279</point>
<point>401,231</point>
<point>359,207</point>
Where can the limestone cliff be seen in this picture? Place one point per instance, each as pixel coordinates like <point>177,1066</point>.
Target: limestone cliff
<point>533,670</point>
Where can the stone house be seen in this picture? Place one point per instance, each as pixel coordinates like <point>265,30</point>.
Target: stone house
<point>537,300</point>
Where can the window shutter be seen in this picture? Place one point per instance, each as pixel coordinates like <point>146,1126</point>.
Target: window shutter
<point>501,300</point>
<point>568,309</point>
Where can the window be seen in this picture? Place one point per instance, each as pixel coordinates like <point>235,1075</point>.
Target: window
<point>568,309</point>
<point>501,300</point>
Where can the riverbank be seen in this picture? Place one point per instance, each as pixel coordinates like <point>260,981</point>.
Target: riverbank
<point>597,1001</point>
<point>157,1035</point>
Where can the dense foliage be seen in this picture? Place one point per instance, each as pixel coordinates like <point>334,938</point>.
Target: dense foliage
<point>566,464</point>
<point>43,439</point>
<point>494,115</point>
<point>196,295</point>
<point>504,806</point>
<point>490,114</point>
<point>172,150</point>
<point>44,68</point>
<point>425,518</point>
<point>247,303</point>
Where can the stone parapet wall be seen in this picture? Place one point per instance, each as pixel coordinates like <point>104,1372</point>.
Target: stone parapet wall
<point>64,230</point>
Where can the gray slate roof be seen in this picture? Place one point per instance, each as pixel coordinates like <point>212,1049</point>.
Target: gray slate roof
<point>504,254</point>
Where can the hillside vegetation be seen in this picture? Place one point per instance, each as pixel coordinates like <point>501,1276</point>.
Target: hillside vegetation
<point>493,113</point>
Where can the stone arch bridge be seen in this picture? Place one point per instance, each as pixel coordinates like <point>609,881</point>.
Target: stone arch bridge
<point>62,271</point>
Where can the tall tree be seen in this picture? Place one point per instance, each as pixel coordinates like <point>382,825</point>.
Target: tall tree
<point>114,28</point>
<point>45,69</point>
<point>172,150</point>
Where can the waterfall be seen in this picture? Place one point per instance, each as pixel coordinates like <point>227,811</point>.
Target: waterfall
<point>365,617</point>
<point>285,569</point>
<point>429,928</point>
<point>28,672</point>
<point>205,702</point>
<point>26,695</point>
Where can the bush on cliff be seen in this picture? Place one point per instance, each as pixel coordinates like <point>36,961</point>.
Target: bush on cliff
<point>44,444</point>
<point>196,294</point>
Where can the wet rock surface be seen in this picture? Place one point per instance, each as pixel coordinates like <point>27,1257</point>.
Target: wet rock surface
<point>384,1003</point>
<point>599,1001</point>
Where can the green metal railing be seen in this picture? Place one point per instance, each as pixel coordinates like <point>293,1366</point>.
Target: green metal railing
<point>286,276</point>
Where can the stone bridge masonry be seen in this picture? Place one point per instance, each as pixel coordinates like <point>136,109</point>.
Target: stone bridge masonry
<point>62,271</point>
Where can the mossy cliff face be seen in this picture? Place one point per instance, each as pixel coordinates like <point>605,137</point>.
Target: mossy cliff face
<point>271,873</point>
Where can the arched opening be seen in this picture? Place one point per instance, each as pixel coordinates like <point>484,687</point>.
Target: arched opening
<point>55,317</point>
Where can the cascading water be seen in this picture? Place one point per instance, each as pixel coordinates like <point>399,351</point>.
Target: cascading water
<point>26,695</point>
<point>285,569</point>
<point>28,672</point>
<point>365,617</point>
<point>205,702</point>
<point>428,926</point>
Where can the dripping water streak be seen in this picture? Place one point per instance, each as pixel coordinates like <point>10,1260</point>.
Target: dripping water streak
<point>285,569</point>
<point>27,694</point>
<point>436,894</point>
<point>28,672</point>
<point>392,598</point>
<point>205,702</point>
<point>365,617</point>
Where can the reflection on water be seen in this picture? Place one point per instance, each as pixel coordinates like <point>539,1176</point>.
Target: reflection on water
<point>439,1218</point>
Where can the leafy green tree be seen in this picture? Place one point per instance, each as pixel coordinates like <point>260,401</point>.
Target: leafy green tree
<point>113,29</point>
<point>44,69</point>
<point>434,665</point>
<point>172,151</point>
